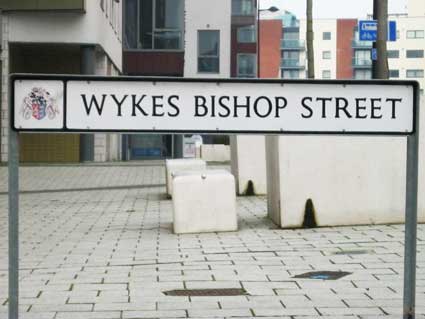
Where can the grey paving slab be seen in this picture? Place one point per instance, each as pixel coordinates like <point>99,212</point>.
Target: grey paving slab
<point>97,242</point>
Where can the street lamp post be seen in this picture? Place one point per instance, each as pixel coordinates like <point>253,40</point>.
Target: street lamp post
<point>271,9</point>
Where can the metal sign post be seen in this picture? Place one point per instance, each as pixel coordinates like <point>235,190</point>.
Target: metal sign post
<point>39,103</point>
<point>13,166</point>
<point>411,220</point>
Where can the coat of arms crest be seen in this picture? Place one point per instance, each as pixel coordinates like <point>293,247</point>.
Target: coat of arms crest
<point>39,103</point>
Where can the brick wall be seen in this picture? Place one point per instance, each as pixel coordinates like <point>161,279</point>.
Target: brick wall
<point>270,53</point>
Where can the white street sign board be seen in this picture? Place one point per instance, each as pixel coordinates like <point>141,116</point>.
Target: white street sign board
<point>220,106</point>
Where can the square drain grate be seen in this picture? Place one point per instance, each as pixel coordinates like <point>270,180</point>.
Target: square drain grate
<point>324,275</point>
<point>206,292</point>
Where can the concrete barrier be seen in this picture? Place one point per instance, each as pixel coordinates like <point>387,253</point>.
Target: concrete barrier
<point>340,180</point>
<point>215,152</point>
<point>175,165</point>
<point>204,201</point>
<point>249,164</point>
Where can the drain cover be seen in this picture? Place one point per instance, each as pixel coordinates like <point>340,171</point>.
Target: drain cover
<point>353,252</point>
<point>324,275</point>
<point>207,292</point>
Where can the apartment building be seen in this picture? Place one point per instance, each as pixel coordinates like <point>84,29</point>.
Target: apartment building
<point>186,38</point>
<point>339,54</point>
<point>60,37</point>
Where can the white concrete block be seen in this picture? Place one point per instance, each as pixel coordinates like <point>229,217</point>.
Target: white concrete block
<point>177,165</point>
<point>204,201</point>
<point>249,163</point>
<point>215,152</point>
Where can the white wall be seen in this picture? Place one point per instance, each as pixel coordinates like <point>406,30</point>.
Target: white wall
<point>403,44</point>
<point>351,180</point>
<point>320,45</point>
<point>416,8</point>
<point>207,15</point>
<point>93,27</point>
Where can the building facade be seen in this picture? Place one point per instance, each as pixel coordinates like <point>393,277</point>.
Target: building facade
<point>186,38</point>
<point>60,37</point>
<point>339,54</point>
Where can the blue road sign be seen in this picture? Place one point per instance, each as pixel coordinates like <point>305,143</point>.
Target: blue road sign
<point>368,30</point>
<point>374,54</point>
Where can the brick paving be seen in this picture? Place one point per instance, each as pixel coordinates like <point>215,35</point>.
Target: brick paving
<point>93,248</point>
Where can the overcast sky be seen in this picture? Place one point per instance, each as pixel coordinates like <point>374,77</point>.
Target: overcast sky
<point>333,8</point>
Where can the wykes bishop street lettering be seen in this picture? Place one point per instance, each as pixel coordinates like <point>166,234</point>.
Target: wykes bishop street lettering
<point>247,106</point>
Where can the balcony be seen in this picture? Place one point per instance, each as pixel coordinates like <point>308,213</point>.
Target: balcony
<point>356,44</point>
<point>292,64</point>
<point>42,5</point>
<point>293,44</point>
<point>362,63</point>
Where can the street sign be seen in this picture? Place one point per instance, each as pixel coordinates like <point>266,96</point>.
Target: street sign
<point>368,30</point>
<point>164,105</point>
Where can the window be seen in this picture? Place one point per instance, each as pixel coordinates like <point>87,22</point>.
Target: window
<point>326,55</point>
<point>327,36</point>
<point>247,65</point>
<point>247,34</point>
<point>394,74</point>
<point>291,35</point>
<point>154,24</point>
<point>326,74</point>
<point>414,73</point>
<point>243,7</point>
<point>362,74</point>
<point>290,74</point>
<point>411,54</point>
<point>362,58</point>
<point>393,54</point>
<point>208,51</point>
<point>415,34</point>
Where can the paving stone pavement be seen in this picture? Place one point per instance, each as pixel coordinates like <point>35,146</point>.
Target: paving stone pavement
<point>91,247</point>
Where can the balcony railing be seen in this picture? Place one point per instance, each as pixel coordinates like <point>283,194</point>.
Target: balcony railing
<point>362,63</point>
<point>293,44</point>
<point>292,64</point>
<point>361,44</point>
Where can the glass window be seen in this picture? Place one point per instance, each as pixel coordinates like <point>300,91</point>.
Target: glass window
<point>291,35</point>
<point>243,7</point>
<point>362,57</point>
<point>326,55</point>
<point>208,51</point>
<point>247,65</point>
<point>327,36</point>
<point>393,54</point>
<point>410,54</point>
<point>154,24</point>
<point>362,74</point>
<point>247,34</point>
<point>414,73</point>
<point>290,54</point>
<point>290,74</point>
<point>415,34</point>
<point>394,73</point>
<point>326,74</point>
<point>130,36</point>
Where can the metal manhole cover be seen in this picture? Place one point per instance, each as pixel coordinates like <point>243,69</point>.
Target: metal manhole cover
<point>324,275</point>
<point>207,292</point>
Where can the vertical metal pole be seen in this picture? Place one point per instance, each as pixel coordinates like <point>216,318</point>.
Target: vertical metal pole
<point>88,62</point>
<point>13,165</point>
<point>411,220</point>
